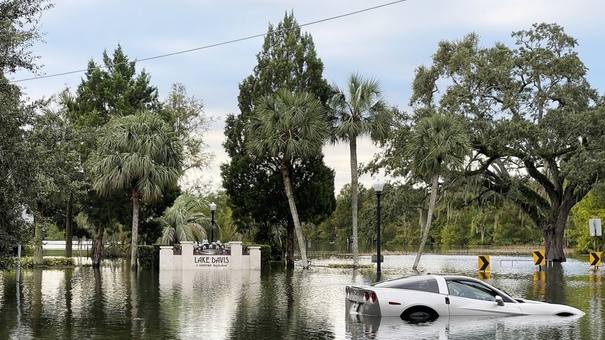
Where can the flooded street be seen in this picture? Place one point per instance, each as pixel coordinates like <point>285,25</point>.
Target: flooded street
<point>81,303</point>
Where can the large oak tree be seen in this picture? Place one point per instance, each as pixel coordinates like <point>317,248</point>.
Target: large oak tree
<point>536,124</point>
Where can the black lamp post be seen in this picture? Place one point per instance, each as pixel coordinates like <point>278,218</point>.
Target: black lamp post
<point>378,189</point>
<point>212,210</point>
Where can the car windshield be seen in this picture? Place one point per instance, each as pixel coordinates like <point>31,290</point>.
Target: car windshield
<point>422,283</point>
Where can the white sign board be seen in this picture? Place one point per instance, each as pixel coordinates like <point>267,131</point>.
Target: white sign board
<point>594,225</point>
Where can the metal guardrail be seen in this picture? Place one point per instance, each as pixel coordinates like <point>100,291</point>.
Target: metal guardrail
<point>512,261</point>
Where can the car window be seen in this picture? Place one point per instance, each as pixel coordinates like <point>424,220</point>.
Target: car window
<point>425,284</point>
<point>470,289</point>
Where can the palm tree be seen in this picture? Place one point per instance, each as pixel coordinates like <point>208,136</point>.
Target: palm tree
<point>437,143</point>
<point>288,126</point>
<point>358,112</point>
<point>186,220</point>
<point>139,152</point>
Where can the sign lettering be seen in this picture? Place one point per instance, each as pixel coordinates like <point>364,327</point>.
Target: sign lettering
<point>211,261</point>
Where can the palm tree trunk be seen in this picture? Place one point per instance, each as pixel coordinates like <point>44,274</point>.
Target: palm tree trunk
<point>135,228</point>
<point>97,252</point>
<point>290,246</point>
<point>429,219</point>
<point>294,212</point>
<point>354,198</point>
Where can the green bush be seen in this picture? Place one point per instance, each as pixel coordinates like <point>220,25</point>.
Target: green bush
<point>53,233</point>
<point>28,262</point>
<point>349,265</point>
<point>265,255</point>
<point>149,257</point>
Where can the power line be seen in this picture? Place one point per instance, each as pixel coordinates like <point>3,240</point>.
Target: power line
<point>216,44</point>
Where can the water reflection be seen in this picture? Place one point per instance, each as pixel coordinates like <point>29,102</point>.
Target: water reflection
<point>205,302</point>
<point>459,327</point>
<point>595,305</point>
<point>114,302</point>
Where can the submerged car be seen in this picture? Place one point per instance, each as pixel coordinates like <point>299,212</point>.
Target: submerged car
<point>423,298</point>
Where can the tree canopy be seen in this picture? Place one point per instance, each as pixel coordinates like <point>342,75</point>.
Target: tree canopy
<point>288,126</point>
<point>533,117</point>
<point>438,143</point>
<point>255,187</point>
<point>18,31</point>
<point>355,112</point>
<point>113,88</point>
<point>109,91</point>
<point>140,153</point>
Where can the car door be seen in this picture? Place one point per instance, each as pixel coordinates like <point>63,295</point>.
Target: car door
<point>472,298</point>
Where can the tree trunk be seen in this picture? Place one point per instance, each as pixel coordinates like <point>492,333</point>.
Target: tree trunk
<point>69,225</point>
<point>294,212</point>
<point>135,229</point>
<point>97,251</point>
<point>553,244</point>
<point>554,234</point>
<point>354,198</point>
<point>38,226</point>
<point>429,219</point>
<point>290,246</point>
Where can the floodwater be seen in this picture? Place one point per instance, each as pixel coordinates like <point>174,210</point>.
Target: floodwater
<point>115,303</point>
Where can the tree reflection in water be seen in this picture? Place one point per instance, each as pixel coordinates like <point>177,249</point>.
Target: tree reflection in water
<point>115,302</point>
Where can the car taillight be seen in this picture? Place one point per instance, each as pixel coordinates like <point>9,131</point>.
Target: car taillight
<point>370,297</point>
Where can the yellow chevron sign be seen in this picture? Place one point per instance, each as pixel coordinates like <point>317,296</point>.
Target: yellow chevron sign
<point>483,262</point>
<point>539,258</point>
<point>595,258</point>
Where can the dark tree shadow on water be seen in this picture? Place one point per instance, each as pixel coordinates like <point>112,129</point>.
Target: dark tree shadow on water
<point>555,283</point>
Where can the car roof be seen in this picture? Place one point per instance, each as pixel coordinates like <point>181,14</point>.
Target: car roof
<point>418,277</point>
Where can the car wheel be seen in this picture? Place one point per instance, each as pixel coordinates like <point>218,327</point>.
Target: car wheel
<point>419,314</point>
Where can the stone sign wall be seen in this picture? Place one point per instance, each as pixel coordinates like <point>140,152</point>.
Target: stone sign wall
<point>186,258</point>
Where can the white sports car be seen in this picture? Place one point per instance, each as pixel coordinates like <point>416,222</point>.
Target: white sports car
<point>423,298</point>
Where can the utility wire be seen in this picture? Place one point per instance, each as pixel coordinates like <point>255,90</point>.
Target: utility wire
<point>217,44</point>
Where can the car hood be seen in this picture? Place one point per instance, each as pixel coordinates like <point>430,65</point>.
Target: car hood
<point>532,307</point>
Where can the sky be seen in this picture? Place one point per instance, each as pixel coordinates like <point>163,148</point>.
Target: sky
<point>211,47</point>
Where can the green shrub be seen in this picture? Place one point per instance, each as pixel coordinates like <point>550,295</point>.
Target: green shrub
<point>28,262</point>
<point>265,255</point>
<point>53,233</point>
<point>149,257</point>
<point>349,265</point>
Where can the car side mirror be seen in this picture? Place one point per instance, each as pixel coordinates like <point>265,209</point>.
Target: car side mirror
<point>499,300</point>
